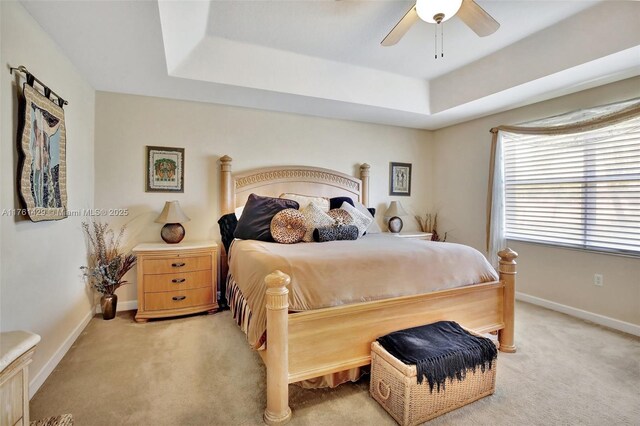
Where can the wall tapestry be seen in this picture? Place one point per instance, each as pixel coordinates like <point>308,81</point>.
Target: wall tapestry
<point>400,179</point>
<point>165,169</point>
<point>43,175</point>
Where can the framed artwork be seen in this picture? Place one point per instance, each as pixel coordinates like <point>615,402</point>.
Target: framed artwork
<point>43,165</point>
<point>400,179</point>
<point>165,169</point>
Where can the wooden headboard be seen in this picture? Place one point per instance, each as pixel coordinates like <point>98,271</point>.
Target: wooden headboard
<point>273,181</point>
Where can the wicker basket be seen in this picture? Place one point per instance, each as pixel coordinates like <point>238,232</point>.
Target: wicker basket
<point>394,386</point>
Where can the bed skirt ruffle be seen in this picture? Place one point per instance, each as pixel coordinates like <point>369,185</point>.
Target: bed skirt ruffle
<point>242,315</point>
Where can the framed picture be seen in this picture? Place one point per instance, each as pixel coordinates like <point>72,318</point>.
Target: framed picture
<point>43,165</point>
<point>165,169</point>
<point>400,179</point>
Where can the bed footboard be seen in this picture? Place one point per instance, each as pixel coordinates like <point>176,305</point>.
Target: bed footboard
<point>334,339</point>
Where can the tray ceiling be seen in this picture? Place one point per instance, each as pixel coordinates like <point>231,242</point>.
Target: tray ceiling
<point>323,58</point>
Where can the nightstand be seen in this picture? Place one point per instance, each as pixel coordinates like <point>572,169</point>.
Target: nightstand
<point>415,235</point>
<point>176,279</point>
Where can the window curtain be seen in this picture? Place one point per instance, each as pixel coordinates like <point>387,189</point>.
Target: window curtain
<point>571,123</point>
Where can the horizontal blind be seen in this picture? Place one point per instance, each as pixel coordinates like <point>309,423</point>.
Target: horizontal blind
<point>580,190</point>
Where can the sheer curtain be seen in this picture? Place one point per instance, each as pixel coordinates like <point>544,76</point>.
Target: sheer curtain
<point>566,124</point>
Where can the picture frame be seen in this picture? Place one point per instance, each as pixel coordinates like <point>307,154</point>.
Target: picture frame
<point>42,177</point>
<point>165,169</point>
<point>400,179</point>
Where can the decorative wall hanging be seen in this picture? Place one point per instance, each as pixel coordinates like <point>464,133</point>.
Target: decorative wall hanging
<point>400,179</point>
<point>42,166</point>
<point>165,169</point>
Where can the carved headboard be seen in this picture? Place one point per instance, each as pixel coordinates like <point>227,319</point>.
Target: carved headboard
<point>273,181</point>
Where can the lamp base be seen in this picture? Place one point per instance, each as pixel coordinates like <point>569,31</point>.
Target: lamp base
<point>172,233</point>
<point>395,224</point>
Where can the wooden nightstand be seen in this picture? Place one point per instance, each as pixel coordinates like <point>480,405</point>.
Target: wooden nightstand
<point>415,235</point>
<point>176,279</point>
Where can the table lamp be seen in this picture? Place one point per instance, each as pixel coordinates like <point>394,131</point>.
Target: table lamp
<point>172,216</point>
<point>394,212</point>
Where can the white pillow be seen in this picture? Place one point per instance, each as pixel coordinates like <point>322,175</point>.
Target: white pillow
<point>239,211</point>
<point>373,228</point>
<point>359,219</point>
<point>314,218</point>
<point>305,200</point>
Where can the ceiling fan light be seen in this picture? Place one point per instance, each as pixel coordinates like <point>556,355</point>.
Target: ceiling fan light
<point>427,9</point>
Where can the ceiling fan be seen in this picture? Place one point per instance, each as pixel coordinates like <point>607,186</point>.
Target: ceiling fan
<point>438,11</point>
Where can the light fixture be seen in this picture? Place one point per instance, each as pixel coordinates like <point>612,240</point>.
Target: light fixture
<point>437,11</point>
<point>394,212</point>
<point>172,216</point>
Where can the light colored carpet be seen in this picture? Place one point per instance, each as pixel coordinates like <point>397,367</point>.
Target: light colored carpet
<point>200,371</point>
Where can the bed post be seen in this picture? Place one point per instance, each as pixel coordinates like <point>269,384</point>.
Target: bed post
<point>364,177</point>
<point>277,358</point>
<point>507,270</point>
<point>227,195</point>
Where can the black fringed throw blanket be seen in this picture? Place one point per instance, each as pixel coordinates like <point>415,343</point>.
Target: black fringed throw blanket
<point>440,351</point>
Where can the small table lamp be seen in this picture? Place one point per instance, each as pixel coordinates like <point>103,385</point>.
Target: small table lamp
<point>172,216</point>
<point>394,212</point>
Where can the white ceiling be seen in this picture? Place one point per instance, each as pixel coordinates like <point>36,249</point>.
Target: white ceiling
<point>324,58</point>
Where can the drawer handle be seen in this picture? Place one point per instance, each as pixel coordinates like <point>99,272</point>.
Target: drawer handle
<point>178,280</point>
<point>178,264</point>
<point>179,298</point>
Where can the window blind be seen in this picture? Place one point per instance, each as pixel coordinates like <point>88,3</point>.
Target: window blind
<point>580,190</point>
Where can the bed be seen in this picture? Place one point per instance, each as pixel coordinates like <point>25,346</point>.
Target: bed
<point>335,332</point>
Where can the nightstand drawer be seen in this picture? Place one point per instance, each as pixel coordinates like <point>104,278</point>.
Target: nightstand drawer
<point>177,264</point>
<point>178,299</point>
<point>177,281</point>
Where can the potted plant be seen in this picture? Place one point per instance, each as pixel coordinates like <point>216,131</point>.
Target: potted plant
<point>107,264</point>
<point>430,224</point>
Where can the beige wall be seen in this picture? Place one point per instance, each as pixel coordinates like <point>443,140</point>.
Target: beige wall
<point>41,287</point>
<point>125,124</point>
<point>461,165</point>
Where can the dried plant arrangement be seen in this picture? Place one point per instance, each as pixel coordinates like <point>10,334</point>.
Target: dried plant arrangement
<point>429,223</point>
<point>107,262</point>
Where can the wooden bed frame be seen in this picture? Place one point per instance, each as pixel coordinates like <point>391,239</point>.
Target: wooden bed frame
<point>309,344</point>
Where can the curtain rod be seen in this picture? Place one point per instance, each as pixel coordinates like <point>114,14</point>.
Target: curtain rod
<point>25,71</point>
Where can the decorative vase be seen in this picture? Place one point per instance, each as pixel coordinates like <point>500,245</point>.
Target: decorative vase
<point>108,303</point>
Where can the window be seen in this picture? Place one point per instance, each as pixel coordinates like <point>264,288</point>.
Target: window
<point>580,190</point>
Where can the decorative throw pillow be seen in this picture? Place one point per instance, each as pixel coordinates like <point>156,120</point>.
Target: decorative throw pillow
<point>336,202</point>
<point>287,226</point>
<point>359,219</point>
<point>228,224</point>
<point>335,233</point>
<point>373,228</point>
<point>341,217</point>
<point>314,218</point>
<point>305,200</point>
<point>255,222</point>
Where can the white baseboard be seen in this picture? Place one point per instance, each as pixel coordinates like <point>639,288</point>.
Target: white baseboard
<point>623,326</point>
<point>47,369</point>
<point>127,305</point>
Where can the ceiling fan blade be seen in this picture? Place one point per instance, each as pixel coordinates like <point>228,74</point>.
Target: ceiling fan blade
<point>401,28</point>
<point>477,18</point>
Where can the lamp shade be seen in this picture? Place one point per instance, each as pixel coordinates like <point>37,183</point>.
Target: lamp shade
<point>428,9</point>
<point>395,209</point>
<point>172,213</point>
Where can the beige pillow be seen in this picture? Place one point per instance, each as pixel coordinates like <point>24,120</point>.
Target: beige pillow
<point>359,219</point>
<point>305,200</point>
<point>314,218</point>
